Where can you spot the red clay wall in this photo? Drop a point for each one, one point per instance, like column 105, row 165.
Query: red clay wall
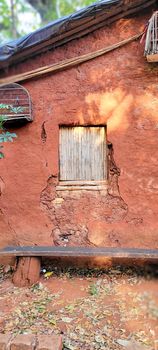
column 119, row 89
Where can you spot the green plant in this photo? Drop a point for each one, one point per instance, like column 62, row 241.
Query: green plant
column 5, row 136
column 93, row 289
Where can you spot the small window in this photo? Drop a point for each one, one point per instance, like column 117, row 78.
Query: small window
column 82, row 154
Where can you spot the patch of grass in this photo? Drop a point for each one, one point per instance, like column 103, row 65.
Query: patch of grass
column 93, row 289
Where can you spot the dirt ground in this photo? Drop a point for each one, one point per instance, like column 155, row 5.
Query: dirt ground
column 92, row 309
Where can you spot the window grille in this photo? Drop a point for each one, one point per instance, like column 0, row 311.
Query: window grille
column 151, row 41
column 15, row 103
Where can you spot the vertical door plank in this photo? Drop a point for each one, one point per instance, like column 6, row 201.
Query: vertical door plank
column 82, row 153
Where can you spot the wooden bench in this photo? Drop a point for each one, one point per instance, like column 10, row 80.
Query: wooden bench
column 29, row 258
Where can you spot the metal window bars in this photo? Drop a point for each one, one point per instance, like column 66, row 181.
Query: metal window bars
column 151, row 42
column 15, row 103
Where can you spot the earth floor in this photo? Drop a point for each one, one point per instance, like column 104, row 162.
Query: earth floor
column 92, row 309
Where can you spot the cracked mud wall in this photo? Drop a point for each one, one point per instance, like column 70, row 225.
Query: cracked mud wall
column 73, row 212
column 114, row 90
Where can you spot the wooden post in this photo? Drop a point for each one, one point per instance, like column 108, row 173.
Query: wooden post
column 27, row 272
column 152, row 58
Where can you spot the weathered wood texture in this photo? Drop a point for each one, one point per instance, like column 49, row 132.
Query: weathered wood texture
column 131, row 253
column 152, row 58
column 29, row 264
column 82, row 153
column 28, row 271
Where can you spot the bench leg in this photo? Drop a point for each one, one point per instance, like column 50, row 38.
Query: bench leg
column 27, row 272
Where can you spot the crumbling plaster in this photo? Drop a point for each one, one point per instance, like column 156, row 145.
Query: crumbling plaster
column 118, row 89
column 72, row 211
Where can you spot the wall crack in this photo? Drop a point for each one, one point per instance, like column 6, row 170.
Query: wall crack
column 43, row 133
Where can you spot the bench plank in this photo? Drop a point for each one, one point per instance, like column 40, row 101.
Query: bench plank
column 132, row 253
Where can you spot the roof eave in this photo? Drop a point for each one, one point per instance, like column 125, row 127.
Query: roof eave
column 71, row 28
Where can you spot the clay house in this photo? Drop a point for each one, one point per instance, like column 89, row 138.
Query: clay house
column 84, row 106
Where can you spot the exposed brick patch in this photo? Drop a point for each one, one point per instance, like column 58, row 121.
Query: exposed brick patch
column 30, row 342
column 23, row 342
column 51, row 342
